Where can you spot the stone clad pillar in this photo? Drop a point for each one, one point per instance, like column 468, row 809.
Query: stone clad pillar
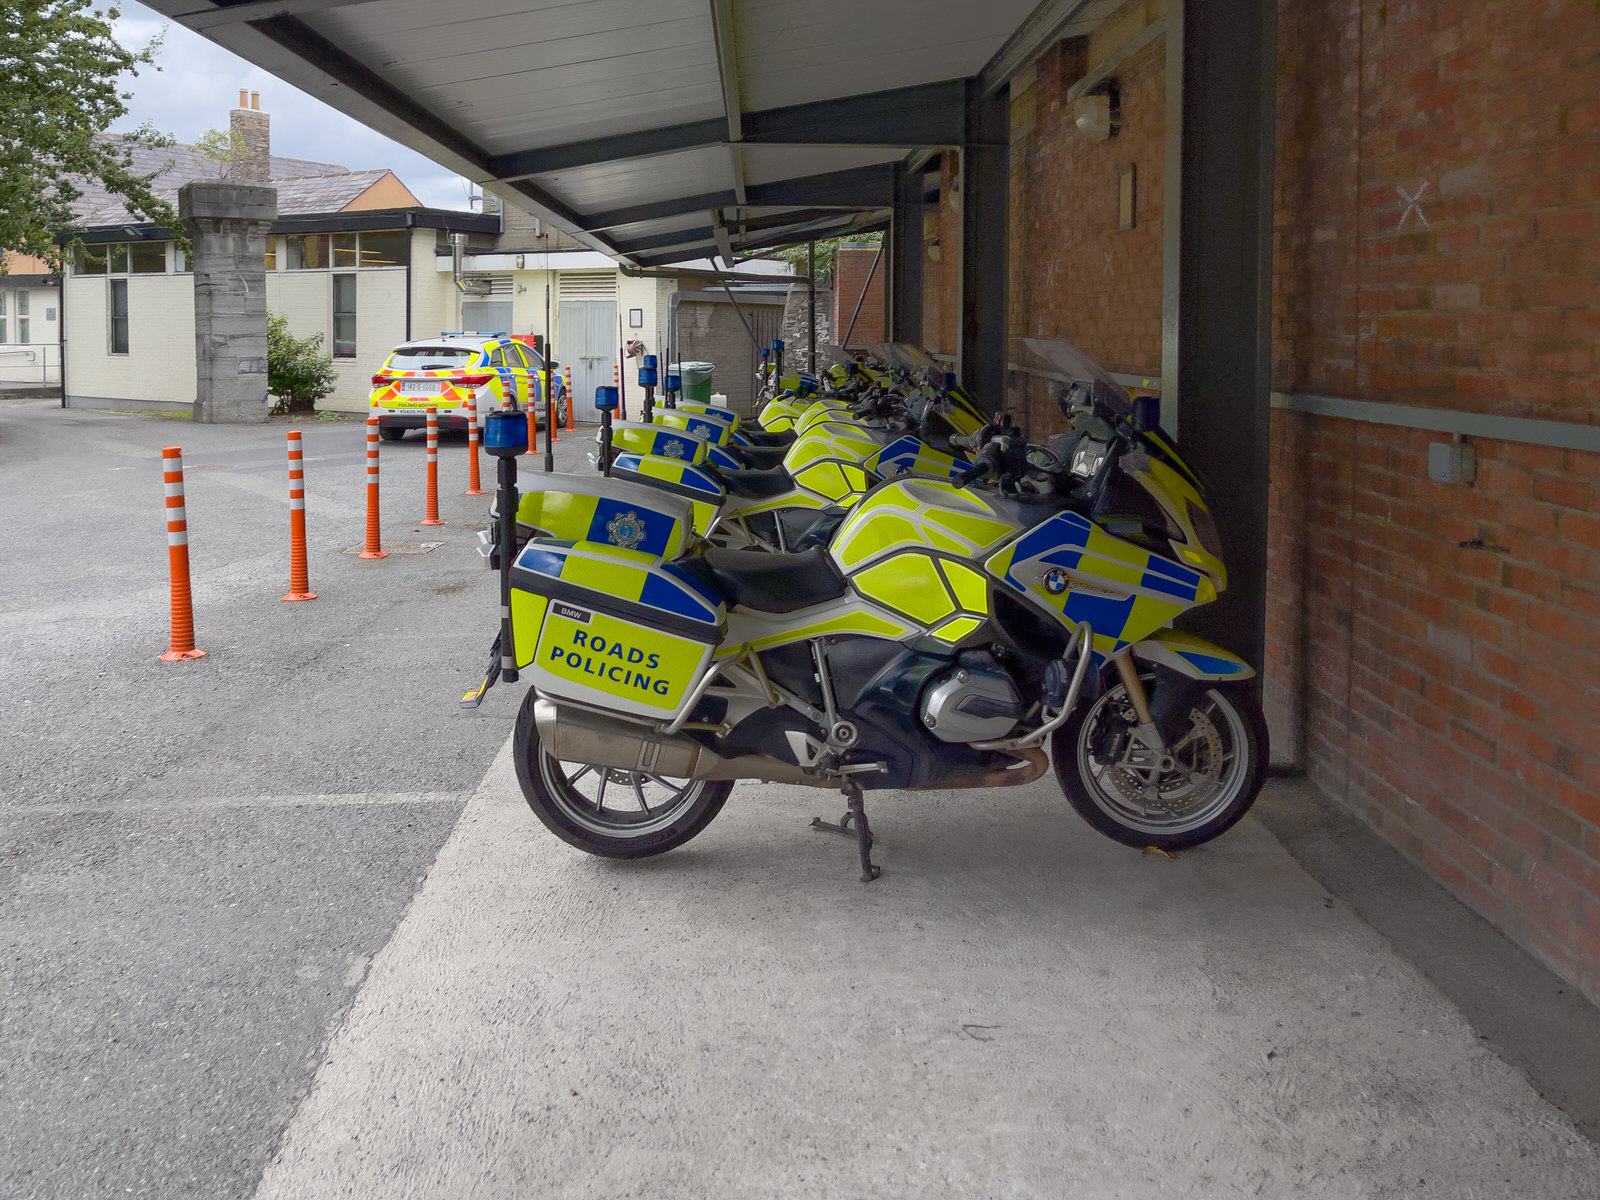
column 228, row 225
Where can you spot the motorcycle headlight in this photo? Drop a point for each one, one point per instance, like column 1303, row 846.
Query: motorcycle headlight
column 1089, row 456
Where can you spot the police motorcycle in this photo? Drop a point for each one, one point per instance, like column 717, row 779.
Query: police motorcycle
column 950, row 631
column 768, row 497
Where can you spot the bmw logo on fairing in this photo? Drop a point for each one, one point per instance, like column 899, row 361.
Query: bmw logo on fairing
column 1055, row 581
column 625, row 530
column 673, row 449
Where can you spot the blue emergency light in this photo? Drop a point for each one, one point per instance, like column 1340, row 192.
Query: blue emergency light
column 777, row 346
column 674, row 383
column 605, row 398
column 505, row 433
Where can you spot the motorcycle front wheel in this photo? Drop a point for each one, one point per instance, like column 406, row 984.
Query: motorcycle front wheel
column 612, row 813
column 1214, row 771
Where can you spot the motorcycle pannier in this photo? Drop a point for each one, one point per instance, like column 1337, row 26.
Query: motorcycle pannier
column 614, row 628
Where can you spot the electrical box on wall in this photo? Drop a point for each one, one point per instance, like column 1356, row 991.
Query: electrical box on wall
column 1452, row 462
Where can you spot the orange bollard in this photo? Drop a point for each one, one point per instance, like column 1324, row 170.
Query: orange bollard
column 432, row 516
column 374, row 539
column 550, row 421
column 616, row 382
column 474, row 486
column 178, row 559
column 566, row 386
column 299, row 583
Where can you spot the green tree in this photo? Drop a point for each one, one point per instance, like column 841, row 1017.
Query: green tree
column 827, row 254
column 299, row 371
column 221, row 146
column 59, row 69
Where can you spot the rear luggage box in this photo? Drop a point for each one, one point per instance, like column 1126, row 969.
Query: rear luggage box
column 610, row 627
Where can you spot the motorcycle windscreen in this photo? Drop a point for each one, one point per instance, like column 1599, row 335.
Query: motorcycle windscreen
column 694, row 424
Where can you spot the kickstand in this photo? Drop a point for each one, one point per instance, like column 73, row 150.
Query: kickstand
column 856, row 815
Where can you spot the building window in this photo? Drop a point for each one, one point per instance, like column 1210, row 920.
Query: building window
column 22, row 317
column 119, row 316
column 307, row 251
column 272, row 254
column 344, row 250
column 148, row 258
column 387, row 248
column 180, row 260
column 91, row 260
column 119, row 259
column 344, row 316
column 3, row 296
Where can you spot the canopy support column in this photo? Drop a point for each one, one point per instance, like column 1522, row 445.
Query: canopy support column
column 985, row 210
column 905, row 258
column 1225, row 293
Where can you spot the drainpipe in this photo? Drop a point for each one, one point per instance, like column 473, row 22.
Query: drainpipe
column 411, row 220
column 61, row 333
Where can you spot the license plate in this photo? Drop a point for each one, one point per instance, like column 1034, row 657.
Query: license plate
column 421, row 387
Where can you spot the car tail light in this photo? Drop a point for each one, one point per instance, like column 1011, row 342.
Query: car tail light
column 382, row 380
column 473, row 381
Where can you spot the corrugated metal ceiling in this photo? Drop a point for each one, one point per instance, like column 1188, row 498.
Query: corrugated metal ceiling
column 622, row 107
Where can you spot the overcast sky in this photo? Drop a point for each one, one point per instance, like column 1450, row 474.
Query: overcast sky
column 199, row 82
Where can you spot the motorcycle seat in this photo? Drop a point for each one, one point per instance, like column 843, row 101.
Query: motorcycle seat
column 762, row 437
column 751, row 484
column 774, row 583
column 761, row 458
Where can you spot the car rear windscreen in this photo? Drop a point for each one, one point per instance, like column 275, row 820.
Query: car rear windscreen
column 431, row 358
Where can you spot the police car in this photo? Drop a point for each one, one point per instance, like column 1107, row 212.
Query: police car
column 444, row 372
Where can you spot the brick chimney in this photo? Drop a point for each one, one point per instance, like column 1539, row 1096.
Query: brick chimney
column 252, row 156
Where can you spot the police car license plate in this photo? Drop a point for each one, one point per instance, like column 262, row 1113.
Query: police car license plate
column 420, row 387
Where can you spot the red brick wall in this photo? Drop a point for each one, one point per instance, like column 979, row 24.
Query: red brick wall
column 850, row 278
column 1075, row 274
column 1448, row 694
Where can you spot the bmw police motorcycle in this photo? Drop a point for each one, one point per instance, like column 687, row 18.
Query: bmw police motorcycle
column 952, row 634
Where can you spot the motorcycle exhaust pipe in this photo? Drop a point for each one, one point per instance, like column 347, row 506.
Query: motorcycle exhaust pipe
column 577, row 735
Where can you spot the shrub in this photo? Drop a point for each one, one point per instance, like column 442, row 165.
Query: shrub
column 299, row 371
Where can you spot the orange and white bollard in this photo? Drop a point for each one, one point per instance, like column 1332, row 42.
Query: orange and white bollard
column 551, row 424
column 178, row 559
column 616, row 382
column 374, row 538
column 566, row 388
column 299, row 582
column 432, row 514
column 474, row 485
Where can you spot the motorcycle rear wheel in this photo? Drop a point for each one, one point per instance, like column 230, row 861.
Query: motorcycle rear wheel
column 1221, row 765
column 607, row 812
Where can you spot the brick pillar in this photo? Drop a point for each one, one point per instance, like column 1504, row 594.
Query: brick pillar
column 228, row 224
column 251, row 161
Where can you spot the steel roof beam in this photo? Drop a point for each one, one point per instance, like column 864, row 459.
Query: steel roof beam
column 655, row 210
column 858, row 187
column 1045, row 24
column 681, row 237
column 930, row 114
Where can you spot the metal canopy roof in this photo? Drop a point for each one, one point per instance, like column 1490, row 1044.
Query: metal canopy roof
column 658, row 130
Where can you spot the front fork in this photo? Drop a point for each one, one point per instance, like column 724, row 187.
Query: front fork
column 1145, row 732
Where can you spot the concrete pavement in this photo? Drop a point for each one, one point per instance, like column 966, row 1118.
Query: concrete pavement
column 1017, row 1008
column 197, row 860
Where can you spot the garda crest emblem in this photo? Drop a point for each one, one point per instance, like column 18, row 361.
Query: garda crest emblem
column 700, row 430
column 673, row 449
column 625, row 530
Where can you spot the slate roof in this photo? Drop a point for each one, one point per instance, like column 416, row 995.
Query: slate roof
column 303, row 186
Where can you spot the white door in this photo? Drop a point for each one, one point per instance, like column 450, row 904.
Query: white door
column 587, row 343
